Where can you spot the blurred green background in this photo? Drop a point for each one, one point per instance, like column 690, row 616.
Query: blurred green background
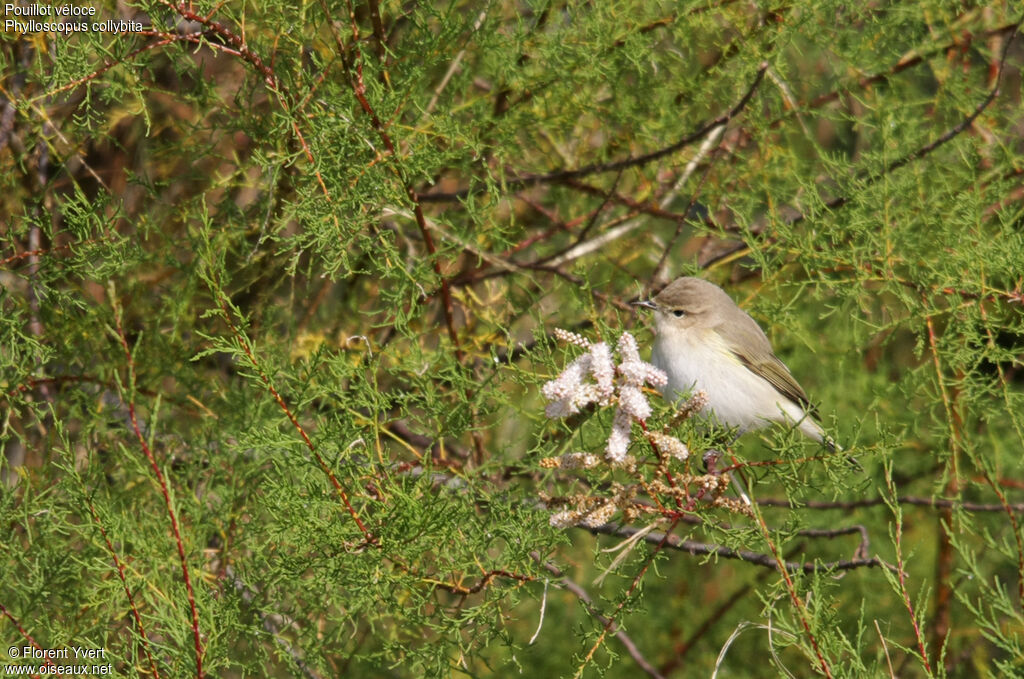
column 277, row 288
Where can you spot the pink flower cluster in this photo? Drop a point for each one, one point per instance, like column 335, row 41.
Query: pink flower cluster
column 608, row 383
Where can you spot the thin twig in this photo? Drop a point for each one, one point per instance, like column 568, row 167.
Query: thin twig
column 26, row 636
column 124, row 584
column 619, row 634
column 942, row 139
column 164, row 487
column 938, row 503
column 798, row 604
column 995, row 486
column 452, row 68
column 272, row 627
column 917, row 154
column 448, row 306
column 247, row 349
column 756, row 558
column 524, row 181
column 901, row 575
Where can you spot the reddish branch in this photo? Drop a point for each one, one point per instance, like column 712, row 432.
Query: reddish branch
column 220, row 30
column 905, row 594
column 165, row 489
column 226, row 41
column 1006, row 507
column 359, row 90
column 24, row 634
column 29, row 254
column 165, row 39
column 944, row 557
column 900, row 66
column 791, row 589
column 236, row 45
column 127, row 589
column 370, row 539
column 995, row 486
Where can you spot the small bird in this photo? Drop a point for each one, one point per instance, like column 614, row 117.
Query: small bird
column 704, row 342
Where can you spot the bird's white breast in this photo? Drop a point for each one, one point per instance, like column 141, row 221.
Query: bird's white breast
column 736, row 397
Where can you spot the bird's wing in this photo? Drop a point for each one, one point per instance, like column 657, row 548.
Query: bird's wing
column 753, row 350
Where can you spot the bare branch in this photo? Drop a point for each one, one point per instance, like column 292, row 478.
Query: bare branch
column 619, row 634
column 521, row 182
column 756, row 558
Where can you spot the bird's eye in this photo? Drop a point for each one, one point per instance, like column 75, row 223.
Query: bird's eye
column 678, row 313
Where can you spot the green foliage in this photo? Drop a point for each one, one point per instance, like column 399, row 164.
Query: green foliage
column 278, row 283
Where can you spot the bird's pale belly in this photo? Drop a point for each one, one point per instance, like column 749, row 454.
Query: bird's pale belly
column 736, row 397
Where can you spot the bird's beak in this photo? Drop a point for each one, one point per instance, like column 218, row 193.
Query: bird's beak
column 645, row 303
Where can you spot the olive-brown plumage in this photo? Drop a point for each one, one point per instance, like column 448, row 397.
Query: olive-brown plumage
column 704, row 342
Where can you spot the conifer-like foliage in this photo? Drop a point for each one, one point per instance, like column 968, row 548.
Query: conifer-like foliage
column 279, row 285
